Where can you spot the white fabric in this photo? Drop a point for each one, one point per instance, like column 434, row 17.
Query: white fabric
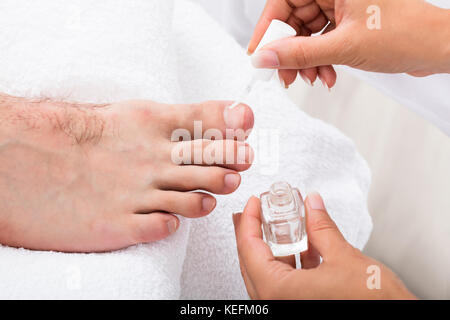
column 147, row 49
column 427, row 96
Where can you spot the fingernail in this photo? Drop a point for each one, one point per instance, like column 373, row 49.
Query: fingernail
column 232, row 181
column 234, row 117
column 208, row 204
column 283, row 84
column 325, row 84
column 306, row 79
column 265, row 59
column 315, row 201
column 172, row 225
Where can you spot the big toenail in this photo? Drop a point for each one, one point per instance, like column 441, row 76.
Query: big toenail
column 208, row 204
column 232, row 181
column 234, row 118
column 243, row 154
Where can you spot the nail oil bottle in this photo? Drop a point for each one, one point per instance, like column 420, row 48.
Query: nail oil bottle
column 283, row 216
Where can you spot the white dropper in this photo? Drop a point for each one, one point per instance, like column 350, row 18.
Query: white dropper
column 277, row 30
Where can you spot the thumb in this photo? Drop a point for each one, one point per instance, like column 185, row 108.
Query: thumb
column 301, row 52
column 323, row 234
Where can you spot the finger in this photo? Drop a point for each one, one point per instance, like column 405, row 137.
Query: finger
column 287, row 77
column 297, row 24
column 327, row 76
column 152, row 227
column 309, row 75
column 322, row 232
column 307, row 13
column 212, row 117
column 187, row 204
column 230, row 154
column 189, row 178
column 256, row 255
column 274, row 9
column 318, row 23
column 248, row 284
column 300, row 52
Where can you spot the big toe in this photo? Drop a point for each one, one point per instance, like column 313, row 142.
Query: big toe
column 213, row 120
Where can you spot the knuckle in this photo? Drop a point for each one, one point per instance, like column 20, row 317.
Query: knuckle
column 301, row 58
column 195, row 111
column 215, row 179
column 195, row 204
column 322, row 224
column 142, row 112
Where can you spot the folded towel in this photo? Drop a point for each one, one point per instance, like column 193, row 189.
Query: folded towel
column 169, row 51
column 91, row 51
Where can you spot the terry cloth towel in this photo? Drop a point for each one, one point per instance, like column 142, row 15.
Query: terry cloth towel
column 169, row 51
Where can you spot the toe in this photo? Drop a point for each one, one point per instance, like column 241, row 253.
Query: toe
column 212, row 117
column 189, row 178
column 187, row 204
column 152, row 227
column 236, row 155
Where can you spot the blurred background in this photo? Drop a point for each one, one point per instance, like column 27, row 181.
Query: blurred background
column 409, row 199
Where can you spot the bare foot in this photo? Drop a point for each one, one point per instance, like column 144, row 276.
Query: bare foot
column 82, row 178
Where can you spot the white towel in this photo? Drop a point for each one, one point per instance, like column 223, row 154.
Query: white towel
column 170, row 52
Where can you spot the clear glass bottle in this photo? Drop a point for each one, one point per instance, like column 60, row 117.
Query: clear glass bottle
column 283, row 216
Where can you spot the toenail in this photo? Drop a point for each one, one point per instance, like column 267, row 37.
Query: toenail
column 232, row 181
column 208, row 204
column 234, row 118
column 172, row 225
column 245, row 155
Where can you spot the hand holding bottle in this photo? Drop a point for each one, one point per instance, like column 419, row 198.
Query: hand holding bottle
column 403, row 36
column 343, row 274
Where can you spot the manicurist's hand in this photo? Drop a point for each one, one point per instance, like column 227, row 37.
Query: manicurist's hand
column 306, row 17
column 402, row 36
column 343, row 274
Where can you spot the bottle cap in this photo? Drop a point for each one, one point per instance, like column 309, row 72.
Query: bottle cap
column 277, row 30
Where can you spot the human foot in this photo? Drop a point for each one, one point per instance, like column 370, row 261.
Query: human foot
column 82, row 178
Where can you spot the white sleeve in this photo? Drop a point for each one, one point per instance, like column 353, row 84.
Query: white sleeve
column 429, row 96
